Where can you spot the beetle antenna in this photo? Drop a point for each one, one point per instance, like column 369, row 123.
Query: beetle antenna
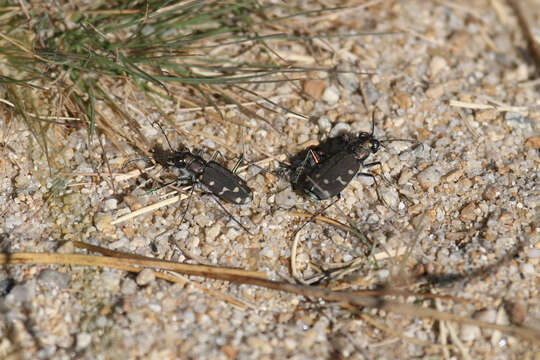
column 164, row 134
column 406, row 140
column 415, row 142
column 372, row 122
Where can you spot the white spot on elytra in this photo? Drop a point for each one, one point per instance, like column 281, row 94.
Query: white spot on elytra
column 340, row 180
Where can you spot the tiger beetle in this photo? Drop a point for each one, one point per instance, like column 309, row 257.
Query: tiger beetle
column 219, row 181
column 328, row 168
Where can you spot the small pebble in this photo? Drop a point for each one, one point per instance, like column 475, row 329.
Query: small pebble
column 314, row 88
column 485, row 115
column 527, row 269
column 103, row 222
column 533, row 253
column 71, row 199
column 286, row 198
column 324, row 124
column 470, row 332
column 517, row 120
column 21, row 293
column 133, row 202
column 490, row 193
column 129, row 287
column 403, row 100
column 229, row 351
column 145, row 277
column 268, row 252
column 66, row 248
column 202, row 220
column 331, row 95
column 110, row 281
column 52, row 278
column 453, row 175
column 517, row 312
column 435, row 92
column 506, row 218
column 436, row 64
column 533, row 142
column 429, row 177
column 370, row 91
column 22, row 181
column 349, row 81
column 383, row 274
column 390, row 196
column 213, row 232
column 110, row 204
column 416, row 209
column 83, row 340
column 487, row 315
column 65, row 341
column 468, row 213
column 338, row 129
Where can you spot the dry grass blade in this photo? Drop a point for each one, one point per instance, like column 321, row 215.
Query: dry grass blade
column 479, row 106
column 399, row 334
column 149, row 208
column 171, row 276
column 520, row 8
column 258, row 279
column 214, row 272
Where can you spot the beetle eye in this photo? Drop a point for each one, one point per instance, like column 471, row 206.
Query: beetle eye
column 363, row 136
column 374, row 146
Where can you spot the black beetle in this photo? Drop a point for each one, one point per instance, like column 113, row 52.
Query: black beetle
column 328, row 168
column 220, row 181
column 327, row 175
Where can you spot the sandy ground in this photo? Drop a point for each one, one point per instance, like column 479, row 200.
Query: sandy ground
column 457, row 77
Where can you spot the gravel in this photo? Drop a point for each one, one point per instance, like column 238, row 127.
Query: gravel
column 464, row 207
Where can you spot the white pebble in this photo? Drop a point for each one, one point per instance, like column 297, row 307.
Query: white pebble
column 268, row 252
column 436, row 65
column 429, row 177
column 286, row 198
column 83, row 340
column 110, row 204
column 331, row 95
column 339, row 128
column 213, row 232
column 527, row 269
column 324, row 124
column 469, row 332
column 349, row 81
column 145, row 277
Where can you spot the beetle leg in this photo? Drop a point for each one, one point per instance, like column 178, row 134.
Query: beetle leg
column 214, row 196
column 189, row 203
column 215, row 154
column 237, row 165
column 301, row 168
column 371, row 164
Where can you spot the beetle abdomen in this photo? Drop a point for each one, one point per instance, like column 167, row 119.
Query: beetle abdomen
column 226, row 185
column 331, row 176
